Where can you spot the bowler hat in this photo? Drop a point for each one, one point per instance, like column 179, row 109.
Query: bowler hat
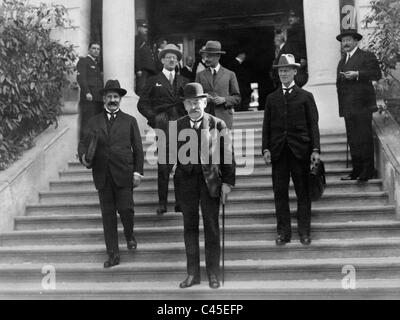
column 142, row 23
column 349, row 32
column 113, row 85
column 213, row 47
column 193, row 90
column 287, row 60
column 170, row 48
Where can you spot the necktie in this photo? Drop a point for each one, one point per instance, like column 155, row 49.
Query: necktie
column 286, row 91
column 171, row 79
column 348, row 57
column 196, row 123
column 214, row 75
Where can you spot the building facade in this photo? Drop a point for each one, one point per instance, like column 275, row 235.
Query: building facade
column 323, row 20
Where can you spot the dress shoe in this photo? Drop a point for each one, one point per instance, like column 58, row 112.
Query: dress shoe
column 305, row 240
column 364, row 177
column 213, row 281
column 189, row 281
column 350, row 177
column 281, row 240
column 112, row 261
column 178, row 208
column 161, row 210
column 132, row 244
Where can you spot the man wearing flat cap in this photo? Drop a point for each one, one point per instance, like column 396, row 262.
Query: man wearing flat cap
column 357, row 102
column 161, row 103
column 145, row 62
column 219, row 83
column 291, row 142
column 117, row 167
column 204, row 179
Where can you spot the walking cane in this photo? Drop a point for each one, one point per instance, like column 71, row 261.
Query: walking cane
column 223, row 240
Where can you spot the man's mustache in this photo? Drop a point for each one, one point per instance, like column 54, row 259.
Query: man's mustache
column 113, row 104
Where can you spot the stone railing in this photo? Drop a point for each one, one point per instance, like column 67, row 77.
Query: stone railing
column 387, row 153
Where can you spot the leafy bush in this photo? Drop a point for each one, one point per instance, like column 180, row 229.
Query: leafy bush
column 33, row 70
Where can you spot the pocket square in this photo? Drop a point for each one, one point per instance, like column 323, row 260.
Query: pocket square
column 159, row 85
column 93, row 67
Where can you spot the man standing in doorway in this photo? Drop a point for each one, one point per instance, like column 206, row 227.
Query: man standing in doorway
column 291, row 141
column 220, row 84
column 117, row 167
column 90, row 80
column 357, row 102
column 161, row 103
column 145, row 63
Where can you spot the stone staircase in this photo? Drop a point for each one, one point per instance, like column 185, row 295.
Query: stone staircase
column 353, row 225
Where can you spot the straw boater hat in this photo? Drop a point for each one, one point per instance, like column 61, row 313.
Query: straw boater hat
column 349, row 32
column 193, row 91
column 287, row 60
column 113, row 85
column 213, row 47
column 170, row 48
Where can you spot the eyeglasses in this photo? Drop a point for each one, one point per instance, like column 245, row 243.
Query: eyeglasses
column 170, row 58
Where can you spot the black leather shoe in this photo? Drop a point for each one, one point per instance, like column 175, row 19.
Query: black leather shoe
column 189, row 281
column 132, row 244
column 112, row 261
column 350, row 177
column 161, row 210
column 281, row 241
column 213, row 281
column 364, row 177
column 305, row 240
column 178, row 208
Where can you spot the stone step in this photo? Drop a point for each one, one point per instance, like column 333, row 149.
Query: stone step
column 242, row 186
column 232, row 290
column 149, row 193
column 260, row 176
column 66, row 220
column 242, row 202
column 254, row 201
column 172, row 252
column 344, row 230
column 251, row 270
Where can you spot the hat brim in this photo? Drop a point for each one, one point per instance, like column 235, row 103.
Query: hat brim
column 195, row 97
column 213, row 52
column 121, row 92
column 355, row 35
column 294, row 65
column 162, row 54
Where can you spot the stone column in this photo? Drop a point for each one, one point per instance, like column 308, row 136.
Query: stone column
column 322, row 25
column 119, row 25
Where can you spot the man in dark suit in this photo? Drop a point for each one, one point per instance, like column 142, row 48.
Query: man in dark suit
column 241, row 69
column 220, row 84
column 290, row 139
column 90, row 80
column 208, row 175
column 145, row 62
column 160, row 103
column 357, row 102
column 117, row 167
column 187, row 71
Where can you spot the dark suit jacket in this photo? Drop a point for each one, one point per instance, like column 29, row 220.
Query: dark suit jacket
column 161, row 102
column 90, row 78
column 121, row 151
column 294, row 122
column 358, row 96
column 144, row 57
column 226, row 85
column 215, row 172
column 186, row 73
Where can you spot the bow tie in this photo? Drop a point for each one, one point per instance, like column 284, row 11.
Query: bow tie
column 113, row 115
column 288, row 89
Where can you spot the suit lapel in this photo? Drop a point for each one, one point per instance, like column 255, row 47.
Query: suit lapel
column 117, row 123
column 220, row 74
column 103, row 123
column 165, row 82
column 209, row 77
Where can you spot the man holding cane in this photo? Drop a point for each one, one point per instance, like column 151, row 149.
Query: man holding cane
column 204, row 179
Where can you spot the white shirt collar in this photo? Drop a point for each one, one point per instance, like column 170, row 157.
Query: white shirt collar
column 109, row 112
column 290, row 86
column 281, row 45
column 93, row 58
column 352, row 52
column 167, row 73
column 216, row 68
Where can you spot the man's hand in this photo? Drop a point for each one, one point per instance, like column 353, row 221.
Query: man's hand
column 136, row 181
column 315, row 158
column 267, row 157
column 351, row 75
column 226, row 189
column 219, row 100
column 139, row 73
column 89, row 97
column 84, row 162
